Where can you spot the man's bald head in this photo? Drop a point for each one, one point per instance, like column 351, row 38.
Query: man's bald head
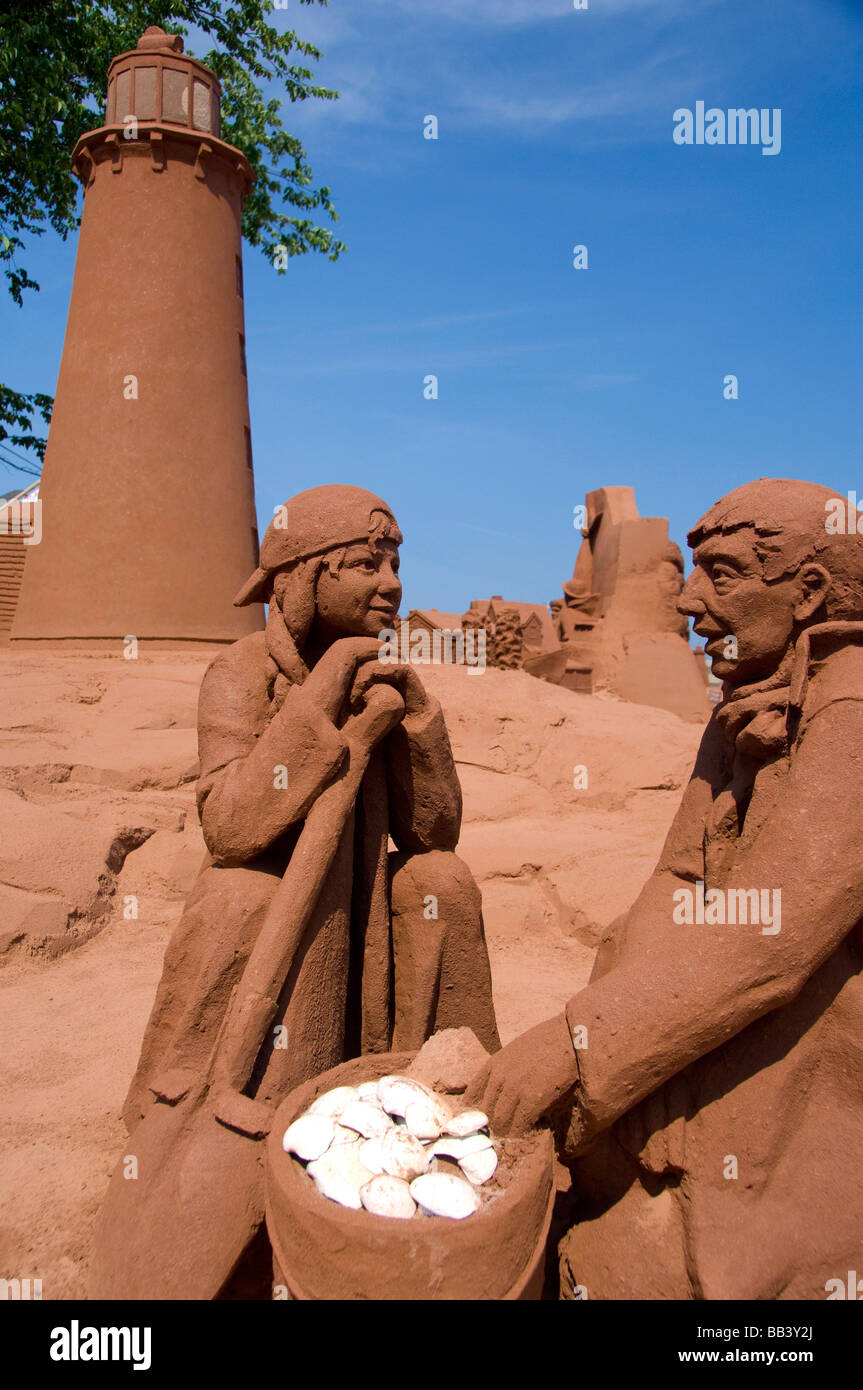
column 789, row 522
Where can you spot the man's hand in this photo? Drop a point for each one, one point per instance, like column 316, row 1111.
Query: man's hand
column 526, row 1078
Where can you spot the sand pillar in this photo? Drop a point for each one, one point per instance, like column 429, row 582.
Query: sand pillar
column 148, row 511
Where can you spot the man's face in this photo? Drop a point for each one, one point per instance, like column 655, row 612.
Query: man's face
column 728, row 598
column 363, row 597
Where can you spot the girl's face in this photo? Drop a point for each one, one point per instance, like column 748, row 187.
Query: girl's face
column 363, row 596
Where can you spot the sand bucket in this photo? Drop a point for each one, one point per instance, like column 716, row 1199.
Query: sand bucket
column 326, row 1251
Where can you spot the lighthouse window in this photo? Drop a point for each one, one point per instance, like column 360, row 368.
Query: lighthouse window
column 110, row 107
column 201, row 106
column 145, row 94
column 175, row 101
column 124, row 95
column 248, row 435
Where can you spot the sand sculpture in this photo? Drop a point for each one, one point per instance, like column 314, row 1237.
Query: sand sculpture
column 704, row 1086
column 149, row 453
column 304, row 942
column 517, row 634
column 708, row 1077
column 617, row 627
column 618, row 622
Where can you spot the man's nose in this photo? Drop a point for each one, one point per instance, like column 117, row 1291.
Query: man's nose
column 690, row 602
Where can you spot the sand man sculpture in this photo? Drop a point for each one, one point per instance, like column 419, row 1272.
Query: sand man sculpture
column 305, row 941
column 713, row 1102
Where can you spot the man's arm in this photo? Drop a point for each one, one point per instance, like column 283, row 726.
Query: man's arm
column 680, row 991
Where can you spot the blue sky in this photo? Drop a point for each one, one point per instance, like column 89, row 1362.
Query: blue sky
column 555, row 129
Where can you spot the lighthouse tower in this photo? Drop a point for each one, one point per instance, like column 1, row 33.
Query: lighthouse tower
column 148, row 520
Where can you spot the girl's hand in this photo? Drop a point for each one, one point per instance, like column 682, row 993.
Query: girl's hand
column 331, row 679
column 402, row 677
column 384, row 708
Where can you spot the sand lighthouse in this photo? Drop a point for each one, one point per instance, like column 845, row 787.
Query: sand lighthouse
column 148, row 520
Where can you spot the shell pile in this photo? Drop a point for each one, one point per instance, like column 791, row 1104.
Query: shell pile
column 396, row 1148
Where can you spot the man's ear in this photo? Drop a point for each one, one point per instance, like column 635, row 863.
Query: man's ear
column 814, row 582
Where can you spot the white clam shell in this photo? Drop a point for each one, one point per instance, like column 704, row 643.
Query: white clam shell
column 478, row 1167
column 388, row 1196
column 371, row 1154
column 345, row 1136
column 368, row 1090
column 333, row 1102
column 339, row 1175
column 460, row 1148
column 440, row 1194
column 367, row 1119
column 466, row 1123
column 403, row 1155
column 422, row 1121
column 396, row 1093
column 309, row 1136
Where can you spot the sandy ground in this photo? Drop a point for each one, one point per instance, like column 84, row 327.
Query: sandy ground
column 99, row 843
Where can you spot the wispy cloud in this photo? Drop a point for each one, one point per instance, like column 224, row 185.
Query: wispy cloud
column 601, row 381
column 398, row 327
column 443, row 321
column 483, row 530
column 507, row 13
column 641, row 89
column 391, row 71
column 427, row 361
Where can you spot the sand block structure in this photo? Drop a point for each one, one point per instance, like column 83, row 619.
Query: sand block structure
column 618, row 621
column 149, row 522
column 20, row 526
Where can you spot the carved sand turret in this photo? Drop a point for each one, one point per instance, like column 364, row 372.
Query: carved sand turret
column 148, row 500
column 618, row 621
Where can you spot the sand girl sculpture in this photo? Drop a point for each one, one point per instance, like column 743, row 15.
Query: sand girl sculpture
column 710, row 1076
column 305, row 940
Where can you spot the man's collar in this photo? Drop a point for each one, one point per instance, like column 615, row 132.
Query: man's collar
column 759, row 720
